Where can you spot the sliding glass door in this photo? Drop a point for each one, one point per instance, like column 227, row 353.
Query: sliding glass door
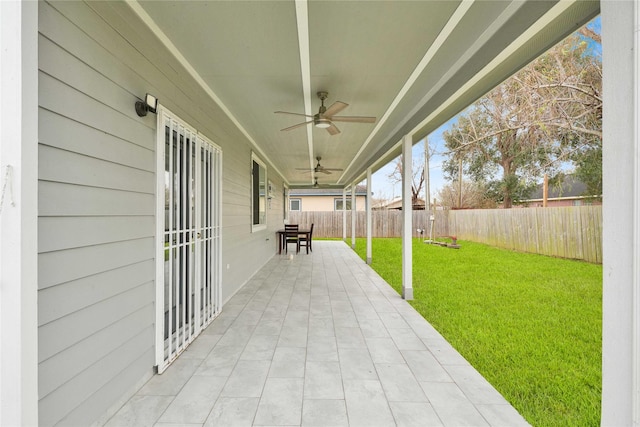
column 188, row 256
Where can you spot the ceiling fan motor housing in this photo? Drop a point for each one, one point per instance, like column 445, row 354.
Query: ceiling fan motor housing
column 320, row 121
column 325, row 117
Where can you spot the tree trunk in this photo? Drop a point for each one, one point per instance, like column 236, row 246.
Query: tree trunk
column 507, row 182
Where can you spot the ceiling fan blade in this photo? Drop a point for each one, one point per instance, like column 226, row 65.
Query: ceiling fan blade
column 325, row 171
column 298, row 125
column 293, row 114
column 335, row 108
column 333, row 169
column 353, row 119
column 333, row 130
column 304, row 169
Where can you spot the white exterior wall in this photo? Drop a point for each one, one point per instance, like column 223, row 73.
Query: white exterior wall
column 621, row 213
column 97, row 204
column 18, row 213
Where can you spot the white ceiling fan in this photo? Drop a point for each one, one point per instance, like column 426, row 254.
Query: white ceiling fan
column 320, row 169
column 326, row 116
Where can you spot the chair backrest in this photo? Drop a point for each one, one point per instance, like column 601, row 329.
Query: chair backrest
column 311, row 231
column 291, row 230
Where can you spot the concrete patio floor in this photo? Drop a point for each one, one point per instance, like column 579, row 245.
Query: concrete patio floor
column 318, row 340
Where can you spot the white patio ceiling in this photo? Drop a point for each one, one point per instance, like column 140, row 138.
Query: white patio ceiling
column 412, row 64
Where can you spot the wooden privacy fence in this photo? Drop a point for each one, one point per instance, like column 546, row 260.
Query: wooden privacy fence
column 567, row 232
column 385, row 223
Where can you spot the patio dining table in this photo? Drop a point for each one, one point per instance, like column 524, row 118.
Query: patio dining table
column 282, row 233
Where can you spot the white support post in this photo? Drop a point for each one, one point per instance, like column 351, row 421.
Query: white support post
column 344, row 215
column 621, row 214
column 353, row 215
column 635, row 284
column 407, row 223
column 19, row 213
column 369, row 225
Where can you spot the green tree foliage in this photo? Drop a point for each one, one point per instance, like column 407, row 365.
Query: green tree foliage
column 548, row 113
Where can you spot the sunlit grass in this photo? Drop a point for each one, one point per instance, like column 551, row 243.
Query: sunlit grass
column 530, row 324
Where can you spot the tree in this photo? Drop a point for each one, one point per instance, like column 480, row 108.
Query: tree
column 417, row 177
column 551, row 111
column 474, row 196
column 589, row 170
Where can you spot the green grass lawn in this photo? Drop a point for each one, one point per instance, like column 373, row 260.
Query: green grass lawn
column 530, row 324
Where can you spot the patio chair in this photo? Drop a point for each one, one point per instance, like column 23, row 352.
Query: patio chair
column 305, row 240
column 291, row 236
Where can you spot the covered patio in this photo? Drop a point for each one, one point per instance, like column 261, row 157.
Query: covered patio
column 84, row 169
column 318, row 339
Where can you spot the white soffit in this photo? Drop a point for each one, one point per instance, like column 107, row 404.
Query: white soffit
column 412, row 64
column 462, row 9
column 144, row 16
column 563, row 9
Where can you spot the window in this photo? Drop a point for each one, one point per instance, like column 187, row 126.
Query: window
column 285, row 202
column 337, row 204
column 258, row 194
column 295, row 204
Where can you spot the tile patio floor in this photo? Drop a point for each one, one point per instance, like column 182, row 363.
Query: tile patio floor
column 319, row 340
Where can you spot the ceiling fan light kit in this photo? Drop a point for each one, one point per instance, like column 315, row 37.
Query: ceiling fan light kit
column 326, row 116
column 321, row 123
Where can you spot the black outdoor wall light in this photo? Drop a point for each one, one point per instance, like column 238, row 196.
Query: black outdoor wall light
column 150, row 103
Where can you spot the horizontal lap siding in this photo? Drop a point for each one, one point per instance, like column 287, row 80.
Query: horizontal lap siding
column 96, row 226
column 245, row 252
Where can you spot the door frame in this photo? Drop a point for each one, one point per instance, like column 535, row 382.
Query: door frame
column 199, row 322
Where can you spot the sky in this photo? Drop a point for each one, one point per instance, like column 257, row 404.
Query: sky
column 383, row 187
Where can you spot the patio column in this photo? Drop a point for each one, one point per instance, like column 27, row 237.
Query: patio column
column 19, row 213
column 368, row 206
column 621, row 214
column 407, row 224
column 344, row 215
column 353, row 216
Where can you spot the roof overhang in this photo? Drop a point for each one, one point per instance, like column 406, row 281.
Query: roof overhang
column 413, row 65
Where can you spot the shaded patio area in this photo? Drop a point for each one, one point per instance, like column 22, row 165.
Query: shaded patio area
column 318, row 340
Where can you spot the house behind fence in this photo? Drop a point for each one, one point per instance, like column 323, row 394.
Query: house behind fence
column 568, row 232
